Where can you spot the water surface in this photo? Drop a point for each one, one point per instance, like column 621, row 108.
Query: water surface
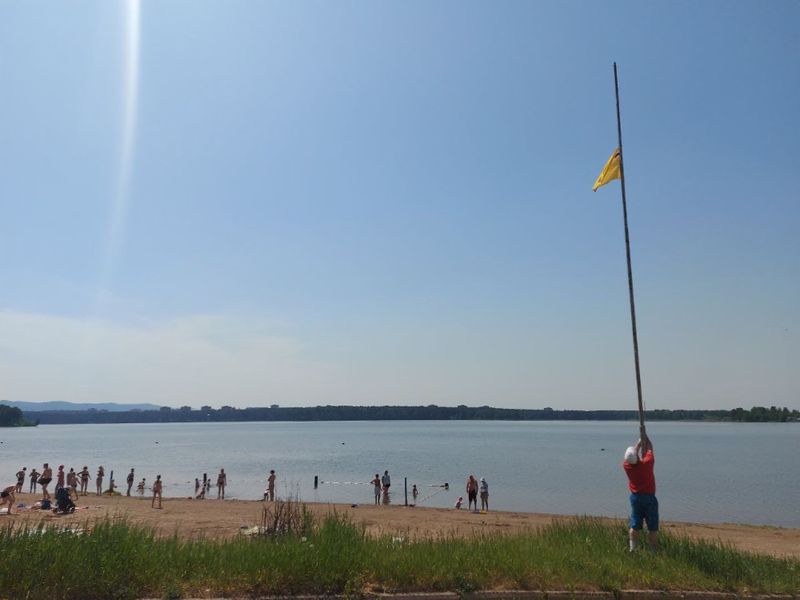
column 705, row 472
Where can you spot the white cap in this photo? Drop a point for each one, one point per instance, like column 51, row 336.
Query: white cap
column 630, row 456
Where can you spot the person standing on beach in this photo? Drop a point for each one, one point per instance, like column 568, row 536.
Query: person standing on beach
column 20, row 479
column 642, row 485
column 34, row 478
column 157, row 486
column 222, row 480
column 7, row 497
column 45, row 479
column 271, row 485
column 414, row 492
column 60, row 477
column 386, row 481
column 101, row 472
column 484, row 489
column 72, row 482
column 196, row 487
column 84, row 476
column 377, row 483
column 472, row 492
column 130, row 482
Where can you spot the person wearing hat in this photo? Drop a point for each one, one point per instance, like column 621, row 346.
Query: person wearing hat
column 642, row 485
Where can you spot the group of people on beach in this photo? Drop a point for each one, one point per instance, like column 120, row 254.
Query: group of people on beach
column 473, row 489
column 77, row 485
column 382, row 483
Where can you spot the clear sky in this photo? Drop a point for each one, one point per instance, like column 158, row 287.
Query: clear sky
column 303, row 203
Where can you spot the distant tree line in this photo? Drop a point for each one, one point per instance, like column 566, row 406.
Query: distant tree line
column 761, row 414
column 400, row 413
column 11, row 416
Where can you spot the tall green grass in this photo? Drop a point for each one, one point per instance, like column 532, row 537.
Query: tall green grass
column 118, row 560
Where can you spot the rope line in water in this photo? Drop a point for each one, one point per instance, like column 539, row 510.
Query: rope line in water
column 419, row 501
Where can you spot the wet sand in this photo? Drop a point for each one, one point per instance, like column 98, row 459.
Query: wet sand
column 224, row 519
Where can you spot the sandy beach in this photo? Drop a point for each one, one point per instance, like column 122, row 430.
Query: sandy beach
column 225, row 519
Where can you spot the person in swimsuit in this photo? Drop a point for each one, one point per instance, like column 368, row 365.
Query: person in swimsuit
column 271, row 486
column 377, row 483
column 472, row 492
column 45, row 479
column 84, row 477
column 157, row 486
column 34, row 479
column 130, row 483
column 21, row 479
column 72, row 482
column 101, row 472
column 7, row 497
column 222, row 480
column 60, row 477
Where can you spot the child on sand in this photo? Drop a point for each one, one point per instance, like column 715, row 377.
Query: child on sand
column 7, row 497
column 459, row 502
column 140, row 487
column 156, row 492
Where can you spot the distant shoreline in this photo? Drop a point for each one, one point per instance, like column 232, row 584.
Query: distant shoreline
column 277, row 413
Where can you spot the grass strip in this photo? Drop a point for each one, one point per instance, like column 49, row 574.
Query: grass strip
column 118, row 560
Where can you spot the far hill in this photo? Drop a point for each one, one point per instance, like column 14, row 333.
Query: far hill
column 58, row 406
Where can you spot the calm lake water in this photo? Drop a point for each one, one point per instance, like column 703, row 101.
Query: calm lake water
column 705, row 472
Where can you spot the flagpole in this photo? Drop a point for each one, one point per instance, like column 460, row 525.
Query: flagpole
column 642, row 432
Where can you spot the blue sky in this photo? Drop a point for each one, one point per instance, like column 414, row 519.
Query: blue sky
column 390, row 203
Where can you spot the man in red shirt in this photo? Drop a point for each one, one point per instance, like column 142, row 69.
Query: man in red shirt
column 642, row 484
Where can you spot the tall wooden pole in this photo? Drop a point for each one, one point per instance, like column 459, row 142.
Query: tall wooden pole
column 642, row 431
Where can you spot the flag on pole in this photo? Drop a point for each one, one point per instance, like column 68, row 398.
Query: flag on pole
column 609, row 172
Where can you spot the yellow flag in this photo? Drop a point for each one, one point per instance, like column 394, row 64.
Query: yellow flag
column 609, row 172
